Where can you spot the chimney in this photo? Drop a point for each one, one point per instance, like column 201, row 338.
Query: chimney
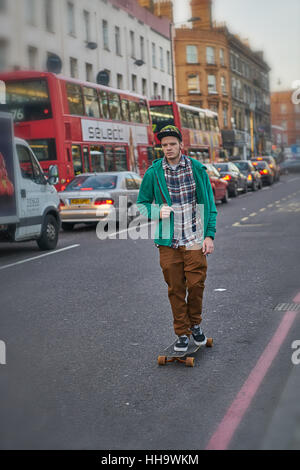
column 202, row 9
column 149, row 4
column 164, row 8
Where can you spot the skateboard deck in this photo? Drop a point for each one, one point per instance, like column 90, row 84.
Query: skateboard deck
column 169, row 355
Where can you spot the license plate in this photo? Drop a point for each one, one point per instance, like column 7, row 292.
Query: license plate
column 78, row 202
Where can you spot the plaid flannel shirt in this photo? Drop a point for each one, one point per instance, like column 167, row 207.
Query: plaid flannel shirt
column 188, row 226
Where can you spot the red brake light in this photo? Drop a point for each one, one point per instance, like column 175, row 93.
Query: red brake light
column 101, row 202
column 61, row 204
column 46, row 111
column 226, row 177
column 249, row 177
column 264, row 172
column 86, row 189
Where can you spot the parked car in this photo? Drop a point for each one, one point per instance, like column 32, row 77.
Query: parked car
column 272, row 164
column 231, row 174
column 219, row 186
column 253, row 176
column 92, row 197
column 267, row 174
column 290, row 165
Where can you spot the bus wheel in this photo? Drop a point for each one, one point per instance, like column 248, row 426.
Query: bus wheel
column 67, row 227
column 49, row 236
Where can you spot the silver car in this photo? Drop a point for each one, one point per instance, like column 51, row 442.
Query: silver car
column 91, row 197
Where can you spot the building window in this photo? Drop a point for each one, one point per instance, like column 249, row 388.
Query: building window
column 118, row 40
column 89, row 72
column 222, row 57
column 32, row 57
column 87, row 26
column 71, row 18
column 170, row 94
column 49, row 15
column 212, row 84
column 3, row 54
column 192, row 54
column 153, row 55
column 73, row 67
column 169, row 62
column 155, row 89
column 30, row 12
column 144, row 87
column 283, row 108
column 2, row 6
column 132, row 44
column 119, row 81
column 223, row 86
column 142, row 48
column 225, row 115
column 161, row 61
column 133, row 82
column 105, row 34
column 210, row 55
column 193, row 84
column 163, row 92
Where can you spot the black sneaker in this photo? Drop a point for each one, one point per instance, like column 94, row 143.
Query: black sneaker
column 198, row 335
column 182, row 344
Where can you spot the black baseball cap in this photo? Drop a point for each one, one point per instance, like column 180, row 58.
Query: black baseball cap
column 169, row 131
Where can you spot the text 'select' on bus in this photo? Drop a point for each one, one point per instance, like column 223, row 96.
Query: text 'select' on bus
column 80, row 126
column 200, row 130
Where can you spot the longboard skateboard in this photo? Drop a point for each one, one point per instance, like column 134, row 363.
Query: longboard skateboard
column 169, row 355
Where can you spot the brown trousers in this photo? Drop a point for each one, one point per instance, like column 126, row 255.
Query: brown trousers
column 185, row 273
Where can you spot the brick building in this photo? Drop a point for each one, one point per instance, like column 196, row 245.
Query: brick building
column 286, row 114
column 217, row 70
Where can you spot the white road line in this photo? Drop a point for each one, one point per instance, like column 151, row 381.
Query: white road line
column 294, row 179
column 131, row 228
column 38, row 257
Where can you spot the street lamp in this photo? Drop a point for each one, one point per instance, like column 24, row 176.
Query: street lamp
column 252, row 109
column 172, row 25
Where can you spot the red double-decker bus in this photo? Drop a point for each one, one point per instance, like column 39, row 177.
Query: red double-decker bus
column 79, row 126
column 200, row 130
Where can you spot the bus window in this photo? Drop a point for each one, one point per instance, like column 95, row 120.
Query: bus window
column 104, row 105
column 28, row 100
column 207, row 123
column 125, row 110
column 161, row 116
column 114, row 106
column 86, row 159
column 109, row 157
column 91, row 102
column 77, row 161
column 190, row 120
column 216, row 120
column 134, row 111
column 197, row 121
column 44, row 149
column 144, row 113
column 97, row 158
column 75, row 99
column 121, row 159
column 212, row 124
column 183, row 116
column 150, row 154
column 202, row 122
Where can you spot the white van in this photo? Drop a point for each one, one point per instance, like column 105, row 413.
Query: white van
column 29, row 203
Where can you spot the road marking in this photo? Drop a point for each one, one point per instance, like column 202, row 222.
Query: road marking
column 263, row 209
column 245, row 218
column 131, row 228
column 294, row 179
column 224, row 433
column 270, row 205
column 38, row 257
column 253, row 214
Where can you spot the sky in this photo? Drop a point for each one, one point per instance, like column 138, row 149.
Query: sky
column 270, row 25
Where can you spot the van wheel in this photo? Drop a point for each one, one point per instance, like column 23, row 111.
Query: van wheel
column 49, row 237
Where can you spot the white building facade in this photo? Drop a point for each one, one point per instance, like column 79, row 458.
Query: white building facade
column 118, row 37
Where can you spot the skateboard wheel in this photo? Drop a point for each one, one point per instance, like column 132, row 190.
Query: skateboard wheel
column 190, row 362
column 162, row 360
column 209, row 343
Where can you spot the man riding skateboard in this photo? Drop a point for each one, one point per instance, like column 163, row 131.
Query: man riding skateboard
column 179, row 185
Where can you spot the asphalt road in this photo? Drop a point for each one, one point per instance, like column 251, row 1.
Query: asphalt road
column 83, row 328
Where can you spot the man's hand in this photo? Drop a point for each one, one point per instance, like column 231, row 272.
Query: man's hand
column 208, row 246
column 166, row 212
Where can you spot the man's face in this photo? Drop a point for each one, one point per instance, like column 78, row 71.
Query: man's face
column 171, row 147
